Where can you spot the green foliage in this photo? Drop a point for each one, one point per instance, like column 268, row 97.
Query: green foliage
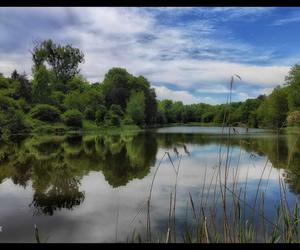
column 273, row 110
column 136, row 108
column 116, row 109
column 76, row 83
column 73, row 118
column 111, row 119
column 293, row 82
column 73, row 100
column 45, row 112
column 208, row 117
column 57, row 100
column 13, row 122
column 89, row 114
column 116, row 87
column 278, row 108
column 7, row 102
column 63, row 60
column 81, row 100
column 166, row 106
column 100, row 114
column 4, row 82
column 113, row 116
column 23, row 88
column 127, row 121
column 41, row 85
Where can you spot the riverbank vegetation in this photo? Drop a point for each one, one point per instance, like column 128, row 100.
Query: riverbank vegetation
column 59, row 98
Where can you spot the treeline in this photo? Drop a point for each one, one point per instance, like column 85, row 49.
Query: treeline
column 59, row 94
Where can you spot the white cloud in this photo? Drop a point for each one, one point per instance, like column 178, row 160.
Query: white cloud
column 132, row 38
column 179, row 95
column 266, row 91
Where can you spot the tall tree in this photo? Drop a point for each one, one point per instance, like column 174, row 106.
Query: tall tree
column 116, row 87
column 293, row 82
column 63, row 60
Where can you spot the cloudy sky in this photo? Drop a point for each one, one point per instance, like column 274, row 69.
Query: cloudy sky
column 188, row 54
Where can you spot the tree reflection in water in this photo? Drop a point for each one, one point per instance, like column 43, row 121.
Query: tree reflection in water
column 55, row 165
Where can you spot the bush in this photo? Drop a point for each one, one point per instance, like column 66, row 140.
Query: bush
column 13, row 121
column 294, row 118
column 127, row 121
column 7, row 102
column 89, row 114
column 73, row 118
column 113, row 116
column 100, row 114
column 45, row 112
column 112, row 119
column 208, row 117
column 116, row 109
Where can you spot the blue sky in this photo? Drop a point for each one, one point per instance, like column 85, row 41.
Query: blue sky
column 188, row 54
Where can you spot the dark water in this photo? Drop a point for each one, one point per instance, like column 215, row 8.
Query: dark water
column 88, row 188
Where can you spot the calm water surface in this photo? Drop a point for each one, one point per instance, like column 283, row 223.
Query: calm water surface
column 89, row 188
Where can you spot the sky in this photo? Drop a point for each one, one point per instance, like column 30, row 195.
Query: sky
column 187, row 53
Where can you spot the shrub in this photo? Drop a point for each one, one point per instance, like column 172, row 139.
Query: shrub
column 73, row 118
column 113, row 116
column 45, row 112
column 100, row 114
column 7, row 102
column 294, row 118
column 13, row 121
column 127, row 121
column 89, row 114
column 208, row 117
column 116, row 109
column 112, row 119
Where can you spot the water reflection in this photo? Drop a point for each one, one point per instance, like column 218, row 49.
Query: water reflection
column 55, row 166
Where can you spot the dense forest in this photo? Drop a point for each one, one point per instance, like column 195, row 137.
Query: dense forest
column 58, row 97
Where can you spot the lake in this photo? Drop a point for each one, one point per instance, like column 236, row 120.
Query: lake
column 94, row 187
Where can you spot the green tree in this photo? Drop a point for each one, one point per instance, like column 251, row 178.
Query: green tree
column 100, row 114
column 167, row 107
column 89, row 114
column 24, row 88
column 74, row 100
column 113, row 116
column 293, row 82
column 116, row 88
column 277, row 108
column 63, row 60
column 136, row 108
column 41, row 85
column 178, row 110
